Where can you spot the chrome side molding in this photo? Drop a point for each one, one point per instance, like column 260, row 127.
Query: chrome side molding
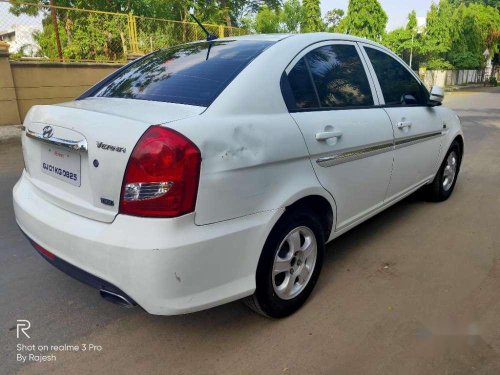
column 408, row 141
column 365, row 151
column 80, row 145
column 355, row 154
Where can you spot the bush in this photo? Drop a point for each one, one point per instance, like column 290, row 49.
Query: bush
column 493, row 81
column 438, row 64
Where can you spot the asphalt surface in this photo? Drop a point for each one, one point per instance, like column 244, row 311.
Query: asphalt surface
column 413, row 290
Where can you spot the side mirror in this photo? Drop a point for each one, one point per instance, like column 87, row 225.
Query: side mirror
column 436, row 97
column 408, row 99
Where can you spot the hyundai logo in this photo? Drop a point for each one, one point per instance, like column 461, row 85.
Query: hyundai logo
column 47, row 131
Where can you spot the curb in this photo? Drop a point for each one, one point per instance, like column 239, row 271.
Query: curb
column 9, row 132
column 464, row 87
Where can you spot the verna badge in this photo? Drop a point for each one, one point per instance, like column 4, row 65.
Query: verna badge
column 48, row 132
column 105, row 146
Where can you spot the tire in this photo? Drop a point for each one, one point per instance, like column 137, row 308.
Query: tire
column 444, row 182
column 290, row 246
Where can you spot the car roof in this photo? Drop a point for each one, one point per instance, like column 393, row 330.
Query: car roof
column 305, row 37
column 264, row 37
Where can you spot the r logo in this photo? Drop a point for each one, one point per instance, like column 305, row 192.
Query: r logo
column 23, row 326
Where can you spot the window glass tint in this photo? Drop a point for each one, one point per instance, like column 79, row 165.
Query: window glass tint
column 395, row 80
column 301, row 85
column 339, row 76
column 190, row 74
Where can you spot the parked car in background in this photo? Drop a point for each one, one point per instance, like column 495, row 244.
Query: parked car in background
column 216, row 171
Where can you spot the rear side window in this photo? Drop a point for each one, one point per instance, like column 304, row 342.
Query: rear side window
column 338, row 79
column 396, row 82
column 302, row 86
column 189, row 74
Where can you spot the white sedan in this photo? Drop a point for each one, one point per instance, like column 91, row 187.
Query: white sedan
column 218, row 170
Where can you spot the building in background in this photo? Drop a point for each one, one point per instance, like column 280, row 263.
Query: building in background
column 20, row 38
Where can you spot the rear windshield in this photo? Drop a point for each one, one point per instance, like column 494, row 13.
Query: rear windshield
column 189, row 74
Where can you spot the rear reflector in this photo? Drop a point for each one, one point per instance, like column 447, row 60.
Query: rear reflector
column 43, row 251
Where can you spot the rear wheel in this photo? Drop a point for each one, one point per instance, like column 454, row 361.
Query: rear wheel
column 289, row 265
column 443, row 184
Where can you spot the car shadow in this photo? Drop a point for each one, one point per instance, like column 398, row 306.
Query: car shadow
column 340, row 248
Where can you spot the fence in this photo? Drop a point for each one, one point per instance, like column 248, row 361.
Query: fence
column 26, row 83
column 69, row 34
column 446, row 78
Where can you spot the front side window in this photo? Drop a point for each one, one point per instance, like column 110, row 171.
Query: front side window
column 192, row 74
column 338, row 79
column 398, row 85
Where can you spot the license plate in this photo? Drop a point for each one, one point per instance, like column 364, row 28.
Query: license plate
column 61, row 164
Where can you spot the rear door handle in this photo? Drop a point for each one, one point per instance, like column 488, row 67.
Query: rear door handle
column 404, row 124
column 323, row 136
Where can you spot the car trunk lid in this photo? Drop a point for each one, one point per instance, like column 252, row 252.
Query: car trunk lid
column 76, row 153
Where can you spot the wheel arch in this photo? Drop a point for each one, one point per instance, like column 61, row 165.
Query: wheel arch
column 320, row 206
column 316, row 199
column 460, row 140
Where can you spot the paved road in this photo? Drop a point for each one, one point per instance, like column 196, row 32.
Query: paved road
column 413, row 290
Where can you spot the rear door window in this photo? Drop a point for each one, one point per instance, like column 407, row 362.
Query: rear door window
column 396, row 82
column 339, row 76
column 331, row 76
column 302, row 86
column 192, row 74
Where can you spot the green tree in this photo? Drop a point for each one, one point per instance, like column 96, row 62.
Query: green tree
column 405, row 41
column 147, row 8
column 477, row 28
column 493, row 3
column 332, row 19
column 231, row 11
column 365, row 18
column 227, row 12
column 312, row 17
column 437, row 36
column 286, row 19
column 412, row 22
column 96, row 36
column 291, row 16
column 267, row 20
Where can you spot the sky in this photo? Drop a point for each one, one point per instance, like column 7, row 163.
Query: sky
column 397, row 10
column 7, row 19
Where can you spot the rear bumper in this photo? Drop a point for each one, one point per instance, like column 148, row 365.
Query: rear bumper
column 168, row 266
column 78, row 273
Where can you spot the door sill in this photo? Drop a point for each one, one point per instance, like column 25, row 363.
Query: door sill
column 377, row 209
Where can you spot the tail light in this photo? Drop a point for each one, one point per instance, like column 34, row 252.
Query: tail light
column 161, row 179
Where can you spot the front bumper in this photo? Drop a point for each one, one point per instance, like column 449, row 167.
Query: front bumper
column 168, row 266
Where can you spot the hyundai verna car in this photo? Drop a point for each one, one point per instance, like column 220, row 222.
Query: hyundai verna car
column 216, row 171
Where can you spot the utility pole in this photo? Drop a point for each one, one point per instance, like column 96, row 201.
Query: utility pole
column 56, row 29
column 411, row 50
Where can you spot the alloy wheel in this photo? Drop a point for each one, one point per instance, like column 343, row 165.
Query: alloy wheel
column 450, row 170
column 294, row 262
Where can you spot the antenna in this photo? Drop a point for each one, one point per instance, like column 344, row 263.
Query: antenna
column 210, row 37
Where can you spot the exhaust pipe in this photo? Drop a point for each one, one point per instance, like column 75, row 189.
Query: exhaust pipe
column 116, row 298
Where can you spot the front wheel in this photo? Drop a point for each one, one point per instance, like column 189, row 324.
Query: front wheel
column 443, row 184
column 289, row 265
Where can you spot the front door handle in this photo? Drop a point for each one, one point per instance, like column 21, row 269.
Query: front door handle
column 323, row 136
column 404, row 124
